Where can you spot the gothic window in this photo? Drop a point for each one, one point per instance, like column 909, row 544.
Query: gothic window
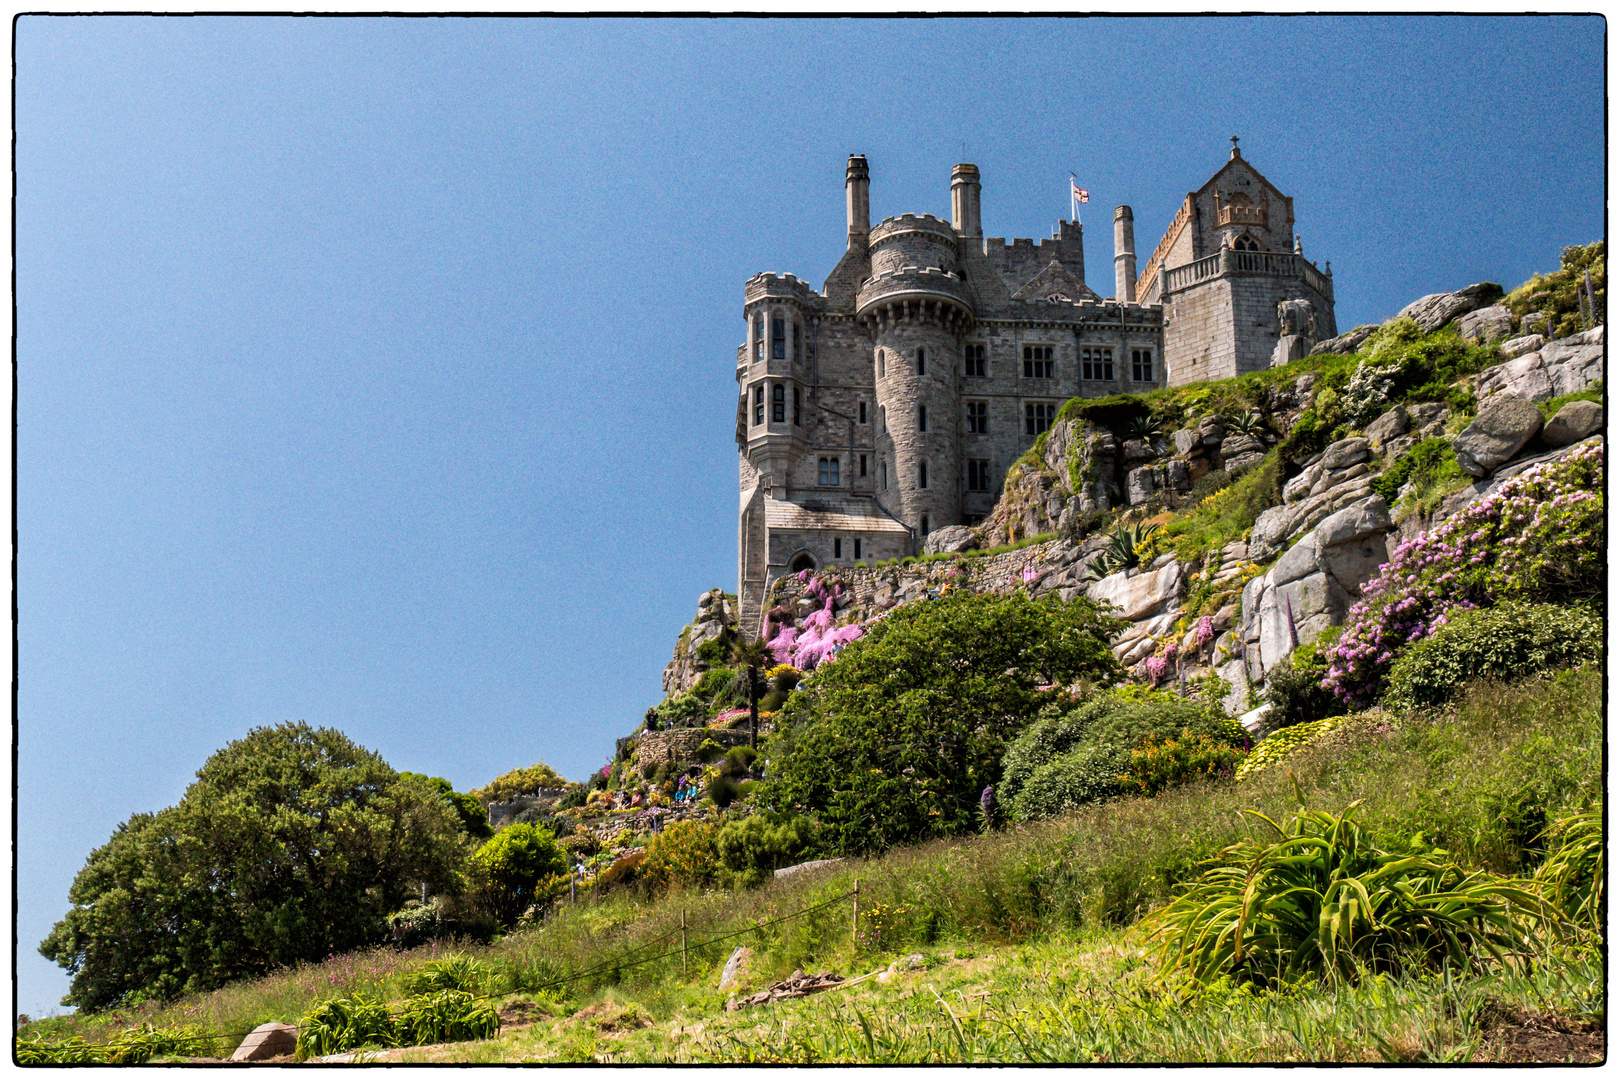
column 827, row 472
column 1038, row 416
column 778, row 403
column 795, row 343
column 1245, row 243
column 1097, row 365
column 1037, row 361
column 759, row 403
column 759, row 337
column 922, row 474
column 1142, row 365
column 796, row 397
column 974, row 355
column 883, row 419
column 778, row 339
column 978, row 417
column 922, row 418
column 978, row 474
column 921, row 366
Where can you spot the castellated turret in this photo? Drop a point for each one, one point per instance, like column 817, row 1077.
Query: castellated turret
column 916, row 307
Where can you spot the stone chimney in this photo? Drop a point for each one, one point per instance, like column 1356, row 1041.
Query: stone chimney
column 1124, row 255
column 857, row 194
column 965, row 200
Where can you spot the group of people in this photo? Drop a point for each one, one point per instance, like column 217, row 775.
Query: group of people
column 687, row 789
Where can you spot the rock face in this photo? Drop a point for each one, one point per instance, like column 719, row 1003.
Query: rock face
column 1515, row 347
column 267, row 1041
column 1573, row 423
column 716, row 615
column 1565, row 366
column 1314, row 584
column 1504, row 424
column 1345, row 343
column 1339, row 477
column 1151, row 601
column 735, row 967
column 949, row 539
column 1486, row 325
column 1435, row 310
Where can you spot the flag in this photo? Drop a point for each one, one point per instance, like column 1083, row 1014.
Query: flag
column 1080, row 194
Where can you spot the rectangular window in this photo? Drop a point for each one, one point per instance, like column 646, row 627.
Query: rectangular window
column 838, row 547
column 1142, row 365
column 883, row 475
column 922, row 474
column 1038, row 416
column 778, row 403
column 1037, row 361
column 978, row 474
column 921, row 367
column 759, row 403
column 978, row 417
column 778, row 340
column 863, row 412
column 863, row 472
column 1097, row 365
column 975, row 361
column 857, row 547
column 797, row 393
column 922, row 418
column 759, row 337
column 795, row 343
column 827, row 472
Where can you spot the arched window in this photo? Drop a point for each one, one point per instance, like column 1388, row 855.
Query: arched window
column 801, row 562
column 922, row 418
column 922, row 474
column 1245, row 243
column 880, row 363
column 921, row 366
column 883, row 474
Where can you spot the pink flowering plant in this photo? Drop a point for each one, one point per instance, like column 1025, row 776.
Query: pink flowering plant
column 816, row 639
column 1539, row 537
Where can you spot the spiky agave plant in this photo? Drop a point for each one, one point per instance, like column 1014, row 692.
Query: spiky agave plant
column 1141, row 427
column 1252, row 422
column 1121, row 552
column 1322, row 900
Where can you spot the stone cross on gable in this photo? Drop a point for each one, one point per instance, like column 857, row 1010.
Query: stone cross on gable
column 1234, row 146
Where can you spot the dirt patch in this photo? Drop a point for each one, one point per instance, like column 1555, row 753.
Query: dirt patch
column 608, row 1018
column 522, row 1013
column 1514, row 1036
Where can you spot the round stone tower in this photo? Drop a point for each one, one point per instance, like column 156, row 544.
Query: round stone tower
column 916, row 307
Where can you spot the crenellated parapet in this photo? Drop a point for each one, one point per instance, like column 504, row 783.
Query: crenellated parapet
column 916, row 294
column 779, row 287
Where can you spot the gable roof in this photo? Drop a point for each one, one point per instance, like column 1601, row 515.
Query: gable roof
column 1230, row 164
column 1055, row 279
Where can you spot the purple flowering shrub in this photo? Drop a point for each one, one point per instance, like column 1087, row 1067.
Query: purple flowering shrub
column 1539, row 537
column 816, row 639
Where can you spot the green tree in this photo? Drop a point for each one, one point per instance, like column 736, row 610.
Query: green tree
column 474, row 818
column 752, row 654
column 519, row 782
column 291, row 844
column 511, row 867
column 896, row 739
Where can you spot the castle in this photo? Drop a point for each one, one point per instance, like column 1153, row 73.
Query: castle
column 891, row 403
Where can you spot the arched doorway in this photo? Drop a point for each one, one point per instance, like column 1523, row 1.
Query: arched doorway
column 801, row 562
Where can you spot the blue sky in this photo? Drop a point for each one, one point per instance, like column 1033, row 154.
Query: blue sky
column 378, row 373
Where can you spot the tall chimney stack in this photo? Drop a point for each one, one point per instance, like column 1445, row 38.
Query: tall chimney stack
column 965, row 200
column 857, row 195
column 1124, row 255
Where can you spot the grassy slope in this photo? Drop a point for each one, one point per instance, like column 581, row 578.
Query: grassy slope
column 1031, row 918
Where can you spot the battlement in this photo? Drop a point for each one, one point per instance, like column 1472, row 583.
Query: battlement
column 912, row 223
column 1022, row 259
column 777, row 287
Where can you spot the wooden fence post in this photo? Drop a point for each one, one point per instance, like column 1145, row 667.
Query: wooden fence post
column 683, row 941
column 855, row 916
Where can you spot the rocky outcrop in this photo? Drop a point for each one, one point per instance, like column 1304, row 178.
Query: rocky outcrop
column 716, row 617
column 951, row 538
column 1458, row 501
column 1435, row 310
column 267, row 1041
column 1516, row 347
column 1486, row 325
column 1501, row 428
column 1574, row 422
column 1337, row 477
column 1150, row 599
column 1314, row 584
column 1345, row 343
column 1565, row 366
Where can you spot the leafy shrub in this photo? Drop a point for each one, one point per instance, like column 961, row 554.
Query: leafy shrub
column 136, row 1046
column 1539, row 537
column 1507, row 641
column 519, row 782
column 340, row 1024
column 448, row 973
column 1294, row 687
column 44, row 1050
column 1280, row 744
column 442, row 1016
column 1322, row 899
column 1427, row 464
column 752, row 848
column 624, row 873
column 895, row 739
column 1084, row 774
column 1227, row 514
column 510, row 868
column 572, row 798
column 683, row 856
column 717, row 688
column 681, row 711
column 722, row 790
column 1157, row 766
column 710, row 751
